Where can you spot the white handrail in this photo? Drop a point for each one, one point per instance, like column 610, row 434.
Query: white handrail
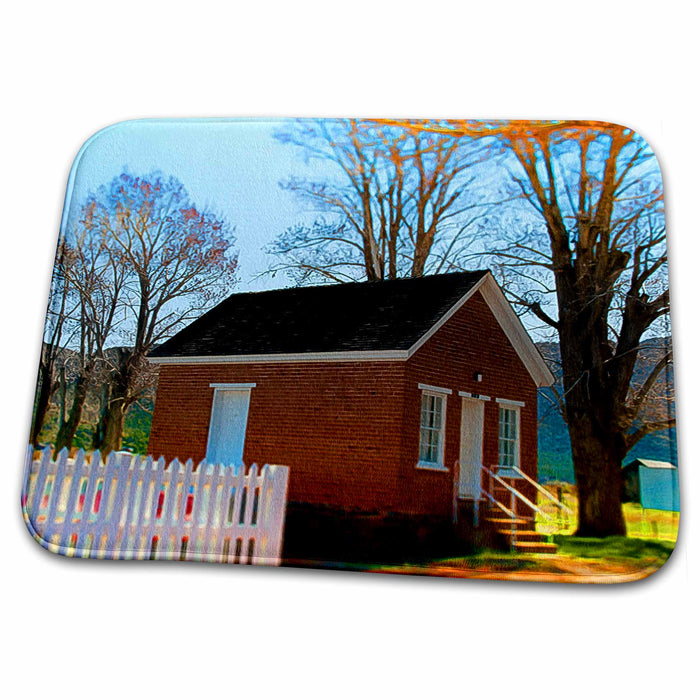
column 511, row 513
column 508, row 512
column 517, row 493
column 542, row 490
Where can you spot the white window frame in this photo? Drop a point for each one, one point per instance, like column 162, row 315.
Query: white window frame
column 234, row 387
column 438, row 393
column 514, row 406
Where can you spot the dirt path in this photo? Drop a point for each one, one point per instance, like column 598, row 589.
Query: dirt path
column 554, row 568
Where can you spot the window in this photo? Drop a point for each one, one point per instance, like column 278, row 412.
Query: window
column 432, row 429
column 508, row 436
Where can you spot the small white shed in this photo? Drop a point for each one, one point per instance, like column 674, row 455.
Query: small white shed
column 651, row 483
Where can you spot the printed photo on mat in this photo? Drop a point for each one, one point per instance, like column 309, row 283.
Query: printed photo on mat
column 421, row 347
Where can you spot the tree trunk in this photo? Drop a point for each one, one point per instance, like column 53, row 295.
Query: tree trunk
column 599, row 501
column 419, row 260
column 117, row 399
column 42, row 403
column 66, row 432
column 117, row 402
column 100, row 426
column 593, row 411
column 114, row 425
column 63, row 394
column 597, row 456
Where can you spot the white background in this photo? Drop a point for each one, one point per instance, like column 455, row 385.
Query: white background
column 99, row 629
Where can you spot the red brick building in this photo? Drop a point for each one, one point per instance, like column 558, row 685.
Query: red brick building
column 381, row 397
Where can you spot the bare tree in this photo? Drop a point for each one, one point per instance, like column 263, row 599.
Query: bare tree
column 174, row 261
column 393, row 202
column 596, row 265
column 97, row 279
column 60, row 307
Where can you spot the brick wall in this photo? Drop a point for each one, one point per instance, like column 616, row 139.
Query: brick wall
column 349, row 431
column 471, row 341
column 336, row 425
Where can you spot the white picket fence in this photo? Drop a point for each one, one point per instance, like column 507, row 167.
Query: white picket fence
column 134, row 507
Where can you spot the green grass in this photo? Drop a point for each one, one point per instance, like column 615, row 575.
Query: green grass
column 641, row 523
column 649, row 523
column 137, row 427
column 614, row 548
column 493, row 560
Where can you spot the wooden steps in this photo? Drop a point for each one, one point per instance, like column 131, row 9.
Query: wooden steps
column 535, row 547
column 527, row 540
column 503, row 524
column 524, row 535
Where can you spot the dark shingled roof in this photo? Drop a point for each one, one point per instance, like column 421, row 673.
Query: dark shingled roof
column 361, row 316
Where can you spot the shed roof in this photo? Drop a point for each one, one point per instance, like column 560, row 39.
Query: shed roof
column 651, row 464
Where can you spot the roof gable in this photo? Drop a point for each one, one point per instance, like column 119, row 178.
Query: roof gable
column 364, row 320
column 509, row 322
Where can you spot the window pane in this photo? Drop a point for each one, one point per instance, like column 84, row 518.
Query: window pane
column 507, row 437
column 424, row 446
column 437, row 416
column 431, row 428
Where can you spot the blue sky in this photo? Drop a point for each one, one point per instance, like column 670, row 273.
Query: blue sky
column 232, row 167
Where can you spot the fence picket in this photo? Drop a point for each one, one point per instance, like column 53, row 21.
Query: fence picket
column 264, row 507
column 250, row 530
column 214, row 513
column 104, row 495
column 28, row 482
column 84, row 532
column 39, row 488
column 153, row 527
column 52, row 527
column 197, row 545
column 118, row 503
column 146, row 496
column 166, row 523
column 252, row 483
column 279, row 477
column 181, row 526
column 127, row 543
column 69, row 528
column 218, row 526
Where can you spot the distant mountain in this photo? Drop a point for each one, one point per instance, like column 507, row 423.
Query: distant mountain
column 554, row 459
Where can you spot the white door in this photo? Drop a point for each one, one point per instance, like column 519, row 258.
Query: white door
column 229, row 417
column 471, row 450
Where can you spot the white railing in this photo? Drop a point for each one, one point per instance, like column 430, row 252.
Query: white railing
column 134, row 507
column 513, row 492
column 543, row 491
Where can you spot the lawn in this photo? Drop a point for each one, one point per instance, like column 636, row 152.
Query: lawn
column 642, row 523
column 618, row 549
